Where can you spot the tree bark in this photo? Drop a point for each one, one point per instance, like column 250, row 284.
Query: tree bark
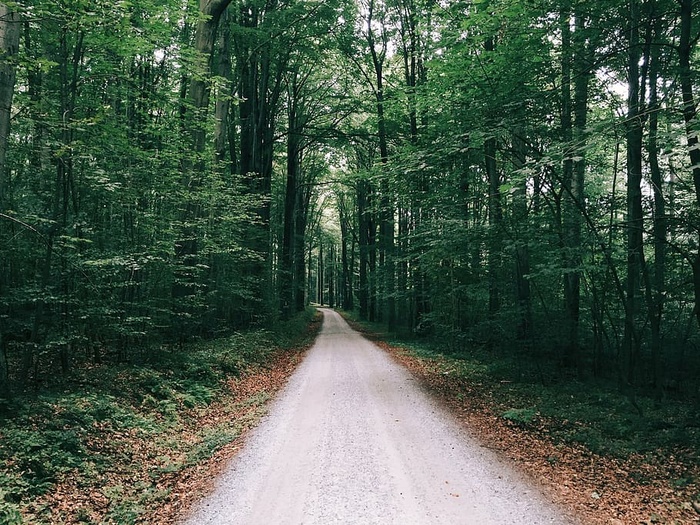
column 522, row 250
column 9, row 46
column 495, row 211
column 290, row 201
column 635, row 216
column 685, row 50
column 386, row 211
column 364, row 223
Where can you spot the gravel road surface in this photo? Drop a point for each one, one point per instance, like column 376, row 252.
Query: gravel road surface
column 352, row 439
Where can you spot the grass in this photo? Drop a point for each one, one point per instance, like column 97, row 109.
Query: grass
column 116, row 431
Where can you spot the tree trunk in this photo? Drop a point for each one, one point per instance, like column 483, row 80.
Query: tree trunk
column 386, row 207
column 9, row 46
column 685, row 50
column 321, row 273
column 522, row 251
column 570, row 247
column 656, row 284
column 576, row 59
column 193, row 163
column 635, row 216
column 495, row 212
column 222, row 109
column 495, row 220
column 346, row 260
column 363, row 221
column 301, row 219
column 286, row 270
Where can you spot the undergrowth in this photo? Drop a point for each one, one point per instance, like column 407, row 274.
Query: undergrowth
column 123, row 422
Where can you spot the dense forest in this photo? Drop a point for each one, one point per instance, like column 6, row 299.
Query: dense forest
column 522, row 176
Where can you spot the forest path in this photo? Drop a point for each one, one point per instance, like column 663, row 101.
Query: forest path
column 352, row 439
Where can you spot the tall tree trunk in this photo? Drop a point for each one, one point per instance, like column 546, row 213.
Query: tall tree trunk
column 495, row 220
column 346, row 259
column 222, row 109
column 412, row 304
column 387, row 311
column 331, row 275
column 9, row 46
column 193, row 163
column 364, row 223
column 495, row 212
column 290, row 201
column 577, row 60
column 301, row 219
column 522, row 250
column 635, row 216
column 321, row 273
column 685, row 50
column 656, row 284
column 259, row 91
column 205, row 38
column 570, row 234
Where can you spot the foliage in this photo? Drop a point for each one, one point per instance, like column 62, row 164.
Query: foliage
column 128, row 422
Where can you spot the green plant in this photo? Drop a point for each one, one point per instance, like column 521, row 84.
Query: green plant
column 520, row 416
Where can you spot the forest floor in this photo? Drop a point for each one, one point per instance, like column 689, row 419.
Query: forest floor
column 140, row 444
column 613, row 463
column 135, row 444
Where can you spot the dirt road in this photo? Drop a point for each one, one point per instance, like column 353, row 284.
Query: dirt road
column 353, row 439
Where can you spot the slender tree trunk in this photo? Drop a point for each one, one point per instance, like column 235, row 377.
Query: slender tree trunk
column 495, row 212
column 346, row 259
column 9, row 46
column 261, row 68
column 363, row 221
column 569, row 225
column 331, row 275
column 205, row 38
column 193, row 163
column 321, row 274
column 522, row 251
column 495, row 220
column 634, row 196
column 655, row 284
column 301, row 219
column 574, row 122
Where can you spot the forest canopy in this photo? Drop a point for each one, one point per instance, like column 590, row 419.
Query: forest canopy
column 522, row 176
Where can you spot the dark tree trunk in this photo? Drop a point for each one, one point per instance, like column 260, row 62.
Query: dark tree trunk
column 387, row 310
column 522, row 251
column 495, row 212
column 289, row 235
column 685, row 50
column 364, row 221
column 635, row 216
column 9, row 46
column 495, row 220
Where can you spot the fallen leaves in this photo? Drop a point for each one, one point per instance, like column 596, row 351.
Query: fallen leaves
column 600, row 490
column 155, row 478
